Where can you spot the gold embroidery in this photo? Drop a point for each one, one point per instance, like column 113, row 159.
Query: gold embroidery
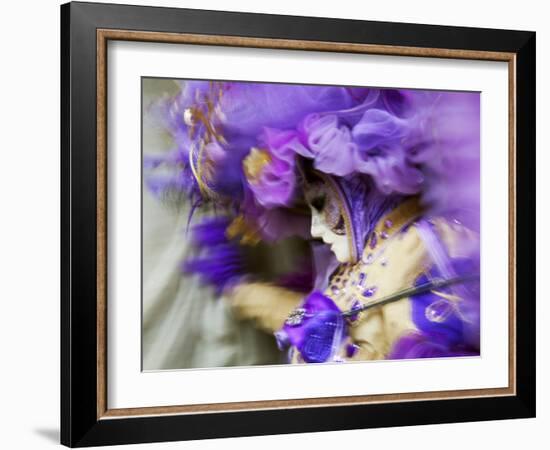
column 254, row 164
column 240, row 227
column 202, row 166
column 198, row 170
column 353, row 283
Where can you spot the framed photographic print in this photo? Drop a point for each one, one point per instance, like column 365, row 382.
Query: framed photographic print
column 276, row 224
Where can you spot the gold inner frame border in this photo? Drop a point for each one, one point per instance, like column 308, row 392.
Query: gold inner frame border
column 105, row 35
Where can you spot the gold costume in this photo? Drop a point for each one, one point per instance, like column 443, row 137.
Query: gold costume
column 394, row 257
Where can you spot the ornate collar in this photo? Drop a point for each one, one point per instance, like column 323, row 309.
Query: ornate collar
column 349, row 285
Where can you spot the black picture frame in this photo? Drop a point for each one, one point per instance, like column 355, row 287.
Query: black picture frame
column 80, row 424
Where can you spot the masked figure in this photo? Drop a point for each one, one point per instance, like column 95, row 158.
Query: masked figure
column 382, row 184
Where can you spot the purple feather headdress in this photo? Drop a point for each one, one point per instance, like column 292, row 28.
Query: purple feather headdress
column 239, row 144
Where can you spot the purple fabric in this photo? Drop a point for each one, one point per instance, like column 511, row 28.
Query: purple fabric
column 383, row 156
column 448, row 332
column 450, row 161
column 276, row 184
column 364, row 205
column 249, row 107
column 417, row 345
column 330, row 144
column 321, row 331
column 324, row 262
column 451, row 335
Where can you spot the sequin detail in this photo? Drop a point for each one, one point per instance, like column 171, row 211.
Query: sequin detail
column 373, row 240
column 351, row 350
column 296, row 317
column 368, row 259
column 369, row 292
column 356, row 306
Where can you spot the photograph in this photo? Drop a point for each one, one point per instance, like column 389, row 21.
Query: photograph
column 298, row 223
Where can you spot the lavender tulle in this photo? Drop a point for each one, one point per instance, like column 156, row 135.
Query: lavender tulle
column 454, row 334
column 406, row 141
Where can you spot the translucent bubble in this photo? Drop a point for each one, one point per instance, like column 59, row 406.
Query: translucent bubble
column 439, row 311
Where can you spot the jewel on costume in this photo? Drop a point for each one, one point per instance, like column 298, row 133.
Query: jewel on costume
column 439, row 310
column 296, row 317
column 356, row 306
column 370, row 291
column 368, row 259
column 351, row 350
column 373, row 240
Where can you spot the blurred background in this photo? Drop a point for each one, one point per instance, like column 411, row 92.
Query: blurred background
column 184, row 324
